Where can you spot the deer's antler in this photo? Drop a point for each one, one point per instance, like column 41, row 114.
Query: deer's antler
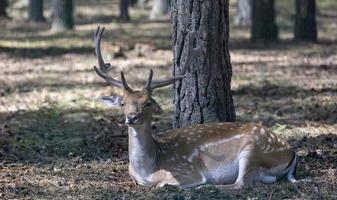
column 103, row 69
column 192, row 53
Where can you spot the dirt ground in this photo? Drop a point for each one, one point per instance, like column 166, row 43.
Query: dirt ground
column 58, row 142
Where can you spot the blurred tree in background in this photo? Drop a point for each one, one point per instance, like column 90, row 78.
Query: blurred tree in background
column 62, row 15
column 160, row 8
column 3, row 6
column 205, row 94
column 124, row 10
column 133, row 2
column 263, row 21
column 305, row 21
column 142, row 3
column 243, row 13
column 35, row 10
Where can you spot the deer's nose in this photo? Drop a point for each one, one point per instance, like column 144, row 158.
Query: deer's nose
column 132, row 118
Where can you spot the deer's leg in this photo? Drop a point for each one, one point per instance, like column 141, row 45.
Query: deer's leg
column 247, row 170
column 171, row 181
column 245, row 175
column 267, row 179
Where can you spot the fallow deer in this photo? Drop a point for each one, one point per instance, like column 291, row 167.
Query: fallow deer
column 231, row 155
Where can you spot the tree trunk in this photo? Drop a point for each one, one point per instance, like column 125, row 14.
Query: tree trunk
column 133, row 2
column 263, row 24
column 205, row 94
column 35, row 10
column 244, row 13
column 3, row 6
column 63, row 15
column 124, row 10
column 160, row 8
column 142, row 3
column 305, row 22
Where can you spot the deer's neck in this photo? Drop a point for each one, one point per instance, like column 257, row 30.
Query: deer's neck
column 142, row 149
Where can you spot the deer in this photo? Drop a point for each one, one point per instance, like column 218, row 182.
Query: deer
column 225, row 154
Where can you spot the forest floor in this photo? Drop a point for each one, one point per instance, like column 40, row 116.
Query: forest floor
column 58, row 142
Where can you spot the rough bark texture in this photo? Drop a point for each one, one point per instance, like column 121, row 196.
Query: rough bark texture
column 35, row 10
column 244, row 13
column 160, row 8
column 205, row 94
column 3, row 6
column 263, row 24
column 63, row 15
column 124, row 10
column 305, row 22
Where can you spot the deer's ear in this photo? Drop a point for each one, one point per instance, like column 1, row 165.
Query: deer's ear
column 156, row 108
column 113, row 101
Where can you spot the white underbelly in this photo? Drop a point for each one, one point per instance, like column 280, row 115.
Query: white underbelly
column 223, row 174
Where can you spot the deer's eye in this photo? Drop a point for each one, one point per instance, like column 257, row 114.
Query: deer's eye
column 122, row 104
column 147, row 104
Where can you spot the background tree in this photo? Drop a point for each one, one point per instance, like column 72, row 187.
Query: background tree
column 305, row 21
column 160, row 8
column 205, row 94
column 63, row 15
column 142, row 3
column 243, row 13
column 3, row 6
column 35, row 10
column 124, row 10
column 263, row 21
column 133, row 2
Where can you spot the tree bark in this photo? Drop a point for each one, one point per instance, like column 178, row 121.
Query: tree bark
column 133, row 2
column 160, row 8
column 3, row 6
column 35, row 10
column 124, row 10
column 63, row 15
column 142, row 3
column 305, row 22
column 263, row 21
column 244, row 13
column 205, row 94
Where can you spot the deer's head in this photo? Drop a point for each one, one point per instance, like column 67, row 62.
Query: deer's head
column 138, row 105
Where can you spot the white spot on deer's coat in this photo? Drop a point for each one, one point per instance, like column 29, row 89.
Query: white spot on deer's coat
column 193, row 155
column 263, row 131
column 269, row 140
column 256, row 138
